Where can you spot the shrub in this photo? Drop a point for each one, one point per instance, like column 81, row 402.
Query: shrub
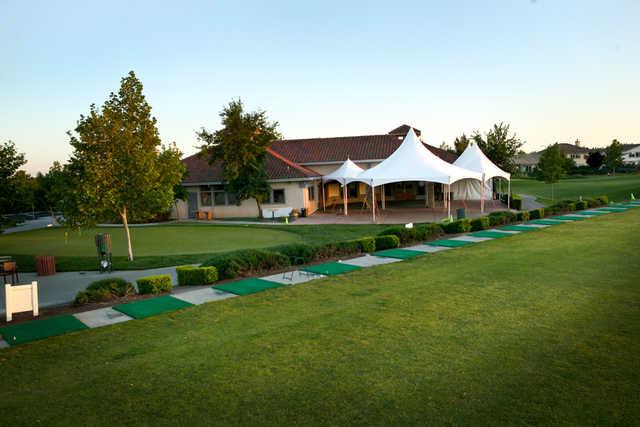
column 417, row 233
column 386, row 242
column 481, row 223
column 570, row 207
column 347, row 247
column 536, row 213
column 424, row 232
column 105, row 290
column 298, row 253
column 459, row 226
column 367, row 244
column 604, row 200
column 245, row 262
column 189, row 275
column 522, row 216
column 516, row 202
column 591, row 202
column 154, row 284
column 581, row 205
column 501, row 218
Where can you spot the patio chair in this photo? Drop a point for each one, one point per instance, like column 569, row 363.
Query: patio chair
column 10, row 268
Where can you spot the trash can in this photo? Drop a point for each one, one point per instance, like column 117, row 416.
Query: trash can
column 303, row 212
column 45, row 265
column 460, row 213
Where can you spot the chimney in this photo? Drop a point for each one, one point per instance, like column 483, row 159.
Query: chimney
column 577, row 142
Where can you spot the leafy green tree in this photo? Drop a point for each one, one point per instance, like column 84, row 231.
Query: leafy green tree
column 460, row 143
column 595, row 159
column 241, row 146
column 613, row 157
column 500, row 147
column 24, row 187
column 551, row 166
column 119, row 168
column 10, row 161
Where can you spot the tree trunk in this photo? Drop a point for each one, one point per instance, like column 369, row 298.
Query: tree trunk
column 123, row 214
column 259, row 209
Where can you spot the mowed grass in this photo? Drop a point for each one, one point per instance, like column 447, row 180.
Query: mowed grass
column 618, row 187
column 163, row 245
column 538, row 328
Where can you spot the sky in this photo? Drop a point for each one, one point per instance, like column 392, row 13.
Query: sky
column 554, row 70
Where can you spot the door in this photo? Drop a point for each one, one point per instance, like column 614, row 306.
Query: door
column 193, row 204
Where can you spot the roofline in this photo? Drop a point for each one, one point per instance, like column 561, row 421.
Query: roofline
column 339, row 162
column 187, row 184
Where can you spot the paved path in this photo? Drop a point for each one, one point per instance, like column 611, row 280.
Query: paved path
column 32, row 224
column 61, row 288
column 529, row 202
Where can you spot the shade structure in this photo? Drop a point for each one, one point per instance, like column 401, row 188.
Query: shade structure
column 412, row 161
column 348, row 170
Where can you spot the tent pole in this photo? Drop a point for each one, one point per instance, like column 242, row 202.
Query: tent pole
column 324, row 208
column 448, row 203
column 384, row 205
column 344, row 199
column 373, row 202
column 482, row 196
column 426, row 194
column 509, row 195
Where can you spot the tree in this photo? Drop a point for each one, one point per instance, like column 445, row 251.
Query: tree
column 595, row 159
column 613, row 156
column 241, row 146
column 460, row 143
column 500, row 147
column 551, row 166
column 10, row 161
column 119, row 167
column 446, row 147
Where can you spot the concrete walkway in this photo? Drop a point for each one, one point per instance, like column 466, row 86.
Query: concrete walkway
column 32, row 224
column 529, row 202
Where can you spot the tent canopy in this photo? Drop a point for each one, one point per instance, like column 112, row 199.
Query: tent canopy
column 412, row 161
column 348, row 170
column 474, row 159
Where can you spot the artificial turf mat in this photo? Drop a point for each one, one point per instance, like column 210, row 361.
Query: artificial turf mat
column 43, row 328
column 449, row 243
column 331, row 268
column 591, row 213
column 151, row 307
column 490, row 234
column 545, row 221
column 398, row 253
column 517, row 228
column 248, row 286
column 613, row 209
column 570, row 218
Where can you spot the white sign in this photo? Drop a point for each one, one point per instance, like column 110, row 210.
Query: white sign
column 21, row 298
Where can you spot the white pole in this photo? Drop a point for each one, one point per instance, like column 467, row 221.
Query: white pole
column 373, row 202
column 323, row 202
column 344, row 199
column 448, row 203
column 384, row 205
column 482, row 195
column 509, row 196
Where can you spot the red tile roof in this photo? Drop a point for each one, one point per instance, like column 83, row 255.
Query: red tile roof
column 327, row 150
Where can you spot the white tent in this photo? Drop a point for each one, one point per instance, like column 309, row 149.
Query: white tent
column 475, row 160
column 412, row 161
column 347, row 171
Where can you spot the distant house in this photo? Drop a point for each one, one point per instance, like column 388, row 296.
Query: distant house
column 527, row 163
column 631, row 154
column 295, row 168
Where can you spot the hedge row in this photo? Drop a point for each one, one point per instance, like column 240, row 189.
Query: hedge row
column 189, row 275
column 417, row 233
column 154, row 284
column 105, row 290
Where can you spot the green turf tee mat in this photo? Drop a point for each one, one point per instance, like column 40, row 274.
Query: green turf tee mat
column 248, row 286
column 570, row 218
column 490, row 234
column 517, row 228
column 591, row 213
column 546, row 221
column 398, row 253
column 151, row 307
column 449, row 243
column 612, row 209
column 38, row 329
column 331, row 268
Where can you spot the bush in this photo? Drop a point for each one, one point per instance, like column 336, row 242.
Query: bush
column 581, row 205
column 298, row 253
column 189, row 275
column 604, row 200
column 481, row 223
column 459, row 226
column 501, row 218
column 105, row 290
column 367, row 244
column 245, row 262
column 536, row 213
column 154, row 284
column 522, row 216
column 386, row 242
column 417, row 233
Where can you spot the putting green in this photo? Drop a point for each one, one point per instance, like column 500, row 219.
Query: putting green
column 517, row 228
column 43, row 328
column 151, row 307
column 546, row 221
column 331, row 268
column 398, row 253
column 248, row 286
column 490, row 234
column 449, row 243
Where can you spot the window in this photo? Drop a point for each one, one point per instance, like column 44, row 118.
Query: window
column 277, row 196
column 352, row 189
column 312, row 192
column 205, row 198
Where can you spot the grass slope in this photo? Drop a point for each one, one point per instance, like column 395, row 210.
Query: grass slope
column 163, row 245
column 616, row 187
column 538, row 328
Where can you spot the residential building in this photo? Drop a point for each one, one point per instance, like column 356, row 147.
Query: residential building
column 631, row 154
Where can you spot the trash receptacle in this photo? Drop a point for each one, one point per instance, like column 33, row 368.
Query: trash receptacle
column 303, row 212
column 460, row 213
column 45, row 265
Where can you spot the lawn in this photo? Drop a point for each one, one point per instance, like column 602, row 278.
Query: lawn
column 538, row 328
column 164, row 245
column 618, row 187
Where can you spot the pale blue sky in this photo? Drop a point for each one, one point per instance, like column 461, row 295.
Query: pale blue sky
column 555, row 70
